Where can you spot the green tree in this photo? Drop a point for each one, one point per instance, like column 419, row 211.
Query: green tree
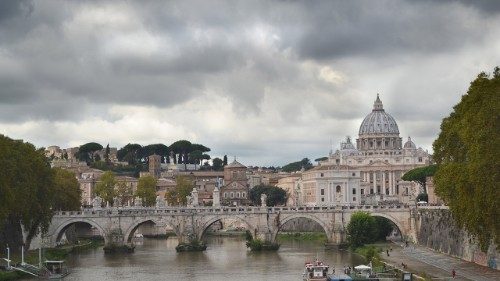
column 26, row 188
column 320, row 159
column 181, row 148
column 467, row 152
column 297, row 166
column 106, row 155
column 105, row 188
column 420, row 174
column 130, row 153
column 66, row 191
column 225, row 160
column 275, row 195
column 217, row 164
column 362, row 229
column 87, row 152
column 146, row 190
column 124, row 192
column 178, row 196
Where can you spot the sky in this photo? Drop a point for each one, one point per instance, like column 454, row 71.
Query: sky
column 269, row 82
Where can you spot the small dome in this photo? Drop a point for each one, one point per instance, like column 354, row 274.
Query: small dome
column 347, row 148
column 378, row 121
column 235, row 164
column 409, row 144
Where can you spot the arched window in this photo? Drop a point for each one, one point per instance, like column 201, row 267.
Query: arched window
column 232, row 194
column 338, row 188
column 237, row 195
column 243, row 195
column 225, row 194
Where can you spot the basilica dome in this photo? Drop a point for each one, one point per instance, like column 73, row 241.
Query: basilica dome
column 378, row 121
column 410, row 144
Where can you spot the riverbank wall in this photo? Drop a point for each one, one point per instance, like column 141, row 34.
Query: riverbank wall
column 438, row 231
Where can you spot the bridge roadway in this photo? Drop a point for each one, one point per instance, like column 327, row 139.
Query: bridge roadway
column 117, row 225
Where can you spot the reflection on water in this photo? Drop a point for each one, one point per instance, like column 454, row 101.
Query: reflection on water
column 226, row 258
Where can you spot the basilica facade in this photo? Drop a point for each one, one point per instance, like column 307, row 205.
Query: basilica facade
column 381, row 158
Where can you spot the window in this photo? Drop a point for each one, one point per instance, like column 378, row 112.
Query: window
column 419, row 159
column 322, row 199
column 225, row 194
column 354, row 199
column 354, row 191
column 322, row 192
column 232, row 194
column 338, row 188
column 321, row 175
column 243, row 195
column 353, row 174
column 362, row 191
column 371, row 190
column 237, row 195
column 397, row 189
column 387, row 191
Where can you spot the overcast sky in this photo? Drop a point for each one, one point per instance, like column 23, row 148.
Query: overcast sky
column 267, row 81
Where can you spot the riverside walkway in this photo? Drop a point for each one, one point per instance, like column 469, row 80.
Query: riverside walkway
column 437, row 265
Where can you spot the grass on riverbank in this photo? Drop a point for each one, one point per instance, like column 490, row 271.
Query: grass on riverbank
column 11, row 275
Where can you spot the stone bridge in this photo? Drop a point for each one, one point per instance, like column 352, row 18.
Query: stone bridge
column 117, row 225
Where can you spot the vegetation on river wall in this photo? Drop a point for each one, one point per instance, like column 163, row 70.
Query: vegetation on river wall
column 193, row 246
column 256, row 245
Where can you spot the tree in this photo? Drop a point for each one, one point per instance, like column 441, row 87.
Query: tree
column 158, row 149
column 467, row 152
column 217, row 164
column 297, row 166
column 66, row 190
column 225, row 160
column 178, row 196
column 181, row 148
column 26, row 195
column 361, row 229
column 106, row 155
column 87, row 151
column 130, row 153
column 420, row 174
column 275, row 195
column 320, row 159
column 124, row 192
column 105, row 188
column 146, row 190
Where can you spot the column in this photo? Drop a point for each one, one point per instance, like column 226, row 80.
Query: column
column 383, row 182
column 391, row 187
column 374, row 182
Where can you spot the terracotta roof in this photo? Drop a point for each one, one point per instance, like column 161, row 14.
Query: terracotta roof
column 235, row 164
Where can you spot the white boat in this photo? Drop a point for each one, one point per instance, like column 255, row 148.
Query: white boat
column 138, row 235
column 315, row 271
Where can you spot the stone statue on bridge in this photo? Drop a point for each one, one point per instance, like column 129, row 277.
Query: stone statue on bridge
column 216, row 197
column 263, row 199
column 97, row 202
column 138, row 202
column 160, row 203
column 194, row 197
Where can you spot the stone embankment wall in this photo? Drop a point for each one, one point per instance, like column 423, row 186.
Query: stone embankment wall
column 439, row 232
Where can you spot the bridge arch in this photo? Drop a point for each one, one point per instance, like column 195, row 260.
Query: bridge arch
column 397, row 223
column 215, row 219
column 135, row 225
column 62, row 227
column 317, row 220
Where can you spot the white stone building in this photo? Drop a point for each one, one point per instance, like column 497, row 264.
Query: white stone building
column 381, row 158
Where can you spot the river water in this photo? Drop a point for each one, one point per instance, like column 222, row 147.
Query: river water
column 226, row 258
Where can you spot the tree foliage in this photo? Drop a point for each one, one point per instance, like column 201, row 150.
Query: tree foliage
column 362, row 229
column 66, row 190
column 297, row 166
column 146, row 190
column 217, row 164
column 124, row 192
column 467, row 152
column 275, row 195
column 178, row 196
column 105, row 188
column 420, row 174
column 28, row 187
column 87, row 152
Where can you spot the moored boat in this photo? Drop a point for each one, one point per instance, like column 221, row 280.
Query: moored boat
column 315, row 271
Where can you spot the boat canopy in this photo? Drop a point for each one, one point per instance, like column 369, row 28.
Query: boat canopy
column 362, row 267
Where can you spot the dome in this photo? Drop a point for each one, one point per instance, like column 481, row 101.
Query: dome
column 410, row 144
column 378, row 121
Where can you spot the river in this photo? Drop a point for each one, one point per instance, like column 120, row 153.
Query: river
column 226, row 258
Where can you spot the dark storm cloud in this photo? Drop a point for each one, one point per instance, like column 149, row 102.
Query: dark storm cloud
column 12, row 8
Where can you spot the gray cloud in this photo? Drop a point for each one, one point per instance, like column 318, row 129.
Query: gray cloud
column 308, row 69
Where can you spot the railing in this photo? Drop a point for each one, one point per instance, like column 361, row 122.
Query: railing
column 134, row 211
